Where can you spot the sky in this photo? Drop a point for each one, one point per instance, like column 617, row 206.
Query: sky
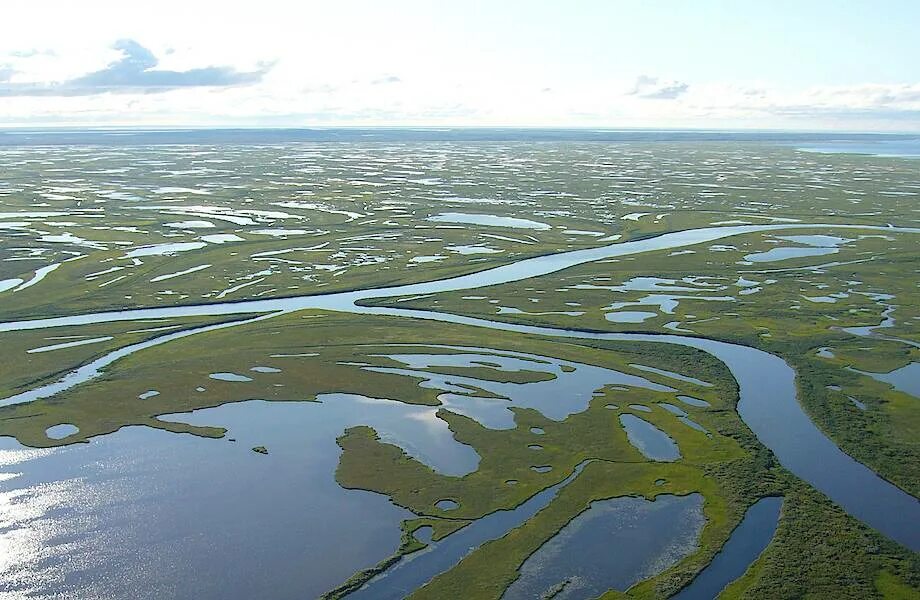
column 850, row 65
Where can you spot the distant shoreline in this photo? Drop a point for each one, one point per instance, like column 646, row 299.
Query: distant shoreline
column 124, row 137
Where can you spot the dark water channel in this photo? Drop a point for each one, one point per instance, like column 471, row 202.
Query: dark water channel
column 745, row 544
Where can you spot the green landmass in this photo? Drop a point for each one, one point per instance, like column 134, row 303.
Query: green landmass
column 314, row 223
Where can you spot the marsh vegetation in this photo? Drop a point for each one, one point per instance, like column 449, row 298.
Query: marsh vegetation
column 443, row 438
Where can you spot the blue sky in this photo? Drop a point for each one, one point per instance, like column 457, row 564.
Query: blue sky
column 846, row 65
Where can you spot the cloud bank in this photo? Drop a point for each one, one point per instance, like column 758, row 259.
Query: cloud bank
column 66, row 86
column 134, row 73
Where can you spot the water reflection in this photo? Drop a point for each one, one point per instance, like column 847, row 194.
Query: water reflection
column 613, row 545
column 652, row 442
column 743, row 547
column 557, row 388
column 148, row 514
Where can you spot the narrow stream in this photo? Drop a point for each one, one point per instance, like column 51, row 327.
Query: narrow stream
column 768, row 403
column 517, row 271
column 744, row 546
column 415, row 570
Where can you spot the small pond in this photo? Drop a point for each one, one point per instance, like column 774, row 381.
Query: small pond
column 652, row 442
column 488, row 220
column 612, row 545
column 59, row 432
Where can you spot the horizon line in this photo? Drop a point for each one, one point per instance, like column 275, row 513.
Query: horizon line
column 5, row 128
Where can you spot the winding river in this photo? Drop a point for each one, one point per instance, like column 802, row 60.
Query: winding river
column 768, row 402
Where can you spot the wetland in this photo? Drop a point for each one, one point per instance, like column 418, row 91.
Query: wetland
column 497, row 369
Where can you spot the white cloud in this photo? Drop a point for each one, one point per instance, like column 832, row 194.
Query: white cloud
column 281, row 100
column 656, row 89
column 858, row 106
column 388, row 67
column 134, row 71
